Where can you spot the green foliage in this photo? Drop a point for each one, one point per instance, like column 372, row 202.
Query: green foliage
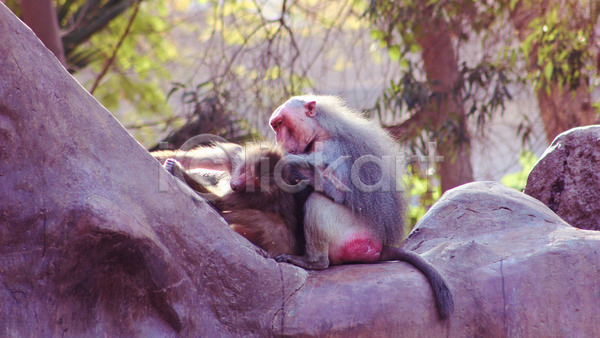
column 518, row 180
column 558, row 47
column 398, row 25
column 438, row 112
column 485, row 90
column 261, row 52
column 14, row 6
column 138, row 70
column 132, row 75
column 422, row 195
column 482, row 90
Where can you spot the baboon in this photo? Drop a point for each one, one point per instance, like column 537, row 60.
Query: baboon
column 253, row 204
column 356, row 213
column 216, row 155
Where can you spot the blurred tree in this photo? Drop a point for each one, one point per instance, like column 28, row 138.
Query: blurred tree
column 211, row 112
column 557, row 53
column 71, row 22
column 40, row 16
column 127, row 60
column 425, row 38
column 120, row 57
column 558, row 39
column 255, row 55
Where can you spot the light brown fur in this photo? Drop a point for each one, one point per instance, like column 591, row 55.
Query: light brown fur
column 255, row 207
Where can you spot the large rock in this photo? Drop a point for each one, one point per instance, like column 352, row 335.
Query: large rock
column 567, row 177
column 91, row 241
column 516, row 267
column 94, row 241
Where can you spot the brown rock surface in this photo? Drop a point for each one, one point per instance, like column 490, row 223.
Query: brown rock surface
column 94, row 241
column 567, row 177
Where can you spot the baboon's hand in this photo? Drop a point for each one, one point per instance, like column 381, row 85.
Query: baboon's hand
column 170, row 164
column 281, row 258
column 175, row 168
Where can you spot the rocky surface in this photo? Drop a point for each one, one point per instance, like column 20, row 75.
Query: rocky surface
column 515, row 268
column 97, row 240
column 567, row 177
column 92, row 240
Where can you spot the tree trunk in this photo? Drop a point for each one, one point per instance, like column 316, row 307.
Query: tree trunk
column 441, row 68
column 561, row 109
column 40, row 16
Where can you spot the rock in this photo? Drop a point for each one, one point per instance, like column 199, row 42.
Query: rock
column 96, row 239
column 515, row 269
column 567, row 177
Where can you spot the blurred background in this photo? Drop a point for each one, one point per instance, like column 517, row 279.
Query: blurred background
column 474, row 90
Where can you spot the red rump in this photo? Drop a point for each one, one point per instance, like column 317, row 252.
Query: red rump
column 357, row 248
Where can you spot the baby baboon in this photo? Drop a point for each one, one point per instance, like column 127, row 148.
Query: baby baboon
column 253, row 204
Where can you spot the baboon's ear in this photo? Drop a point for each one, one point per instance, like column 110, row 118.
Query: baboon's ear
column 310, row 109
column 232, row 154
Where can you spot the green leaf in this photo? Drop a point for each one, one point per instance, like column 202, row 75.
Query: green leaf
column 404, row 64
column 513, row 58
column 377, row 34
column 518, row 180
column 548, row 69
column 395, row 52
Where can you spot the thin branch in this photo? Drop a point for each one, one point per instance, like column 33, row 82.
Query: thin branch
column 167, row 121
column 411, row 127
column 110, row 61
column 78, row 33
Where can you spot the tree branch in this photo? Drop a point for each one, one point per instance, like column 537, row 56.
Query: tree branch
column 110, row 61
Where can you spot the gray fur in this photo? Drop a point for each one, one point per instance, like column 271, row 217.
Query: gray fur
column 351, row 134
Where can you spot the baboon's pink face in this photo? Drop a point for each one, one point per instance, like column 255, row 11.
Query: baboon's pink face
column 295, row 126
column 250, row 169
column 242, row 175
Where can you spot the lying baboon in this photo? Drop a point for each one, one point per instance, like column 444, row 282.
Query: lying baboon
column 253, row 204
